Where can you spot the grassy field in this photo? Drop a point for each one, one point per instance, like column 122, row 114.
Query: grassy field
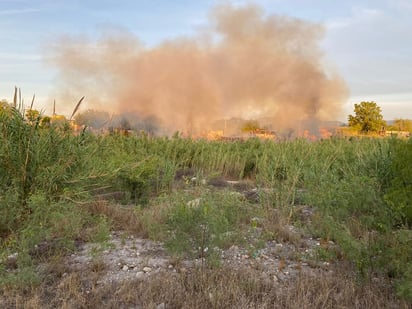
column 59, row 190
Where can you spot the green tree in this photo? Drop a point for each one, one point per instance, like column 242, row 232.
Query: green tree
column 45, row 122
column 4, row 103
column 251, row 127
column 368, row 117
column 402, row 125
column 33, row 116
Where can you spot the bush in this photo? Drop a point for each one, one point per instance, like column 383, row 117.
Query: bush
column 197, row 226
column 399, row 191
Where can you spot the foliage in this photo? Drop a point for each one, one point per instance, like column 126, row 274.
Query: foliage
column 368, row 117
column 32, row 115
column 37, row 166
column 199, row 226
column 360, row 188
column 399, row 180
column 250, row 126
column 401, row 125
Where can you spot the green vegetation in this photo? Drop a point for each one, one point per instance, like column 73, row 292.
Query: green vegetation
column 368, row 117
column 401, row 125
column 251, row 126
column 50, row 180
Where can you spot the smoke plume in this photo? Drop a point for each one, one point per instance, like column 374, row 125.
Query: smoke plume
column 247, row 65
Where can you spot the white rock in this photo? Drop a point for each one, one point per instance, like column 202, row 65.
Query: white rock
column 194, row 203
column 161, row 306
column 139, row 274
column 147, row 269
column 13, row 255
column 125, row 268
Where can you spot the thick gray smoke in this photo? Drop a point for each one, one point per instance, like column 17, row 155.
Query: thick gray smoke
column 248, row 65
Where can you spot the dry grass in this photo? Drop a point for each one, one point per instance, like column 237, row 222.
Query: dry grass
column 208, row 288
column 139, row 222
column 277, row 226
column 121, row 217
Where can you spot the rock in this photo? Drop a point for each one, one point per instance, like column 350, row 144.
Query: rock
column 125, row 268
column 147, row 269
column 252, row 195
column 139, row 274
column 13, row 256
column 161, row 306
column 157, row 262
column 194, row 203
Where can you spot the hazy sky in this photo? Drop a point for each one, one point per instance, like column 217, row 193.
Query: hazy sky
column 368, row 42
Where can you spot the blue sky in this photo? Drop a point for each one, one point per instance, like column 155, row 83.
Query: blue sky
column 368, row 42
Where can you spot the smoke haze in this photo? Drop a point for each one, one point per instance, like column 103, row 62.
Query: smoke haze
column 246, row 64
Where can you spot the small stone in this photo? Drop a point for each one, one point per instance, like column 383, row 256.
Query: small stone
column 147, row 269
column 125, row 268
column 194, row 203
column 161, row 306
column 170, row 266
column 13, row 257
column 139, row 274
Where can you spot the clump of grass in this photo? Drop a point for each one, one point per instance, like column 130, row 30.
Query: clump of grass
column 198, row 224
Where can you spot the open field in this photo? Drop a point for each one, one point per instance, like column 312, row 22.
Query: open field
column 141, row 222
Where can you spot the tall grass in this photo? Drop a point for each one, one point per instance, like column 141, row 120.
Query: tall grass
column 48, row 174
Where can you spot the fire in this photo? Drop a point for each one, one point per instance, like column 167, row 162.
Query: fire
column 212, row 135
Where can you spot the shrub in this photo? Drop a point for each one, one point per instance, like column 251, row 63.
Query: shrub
column 399, row 191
